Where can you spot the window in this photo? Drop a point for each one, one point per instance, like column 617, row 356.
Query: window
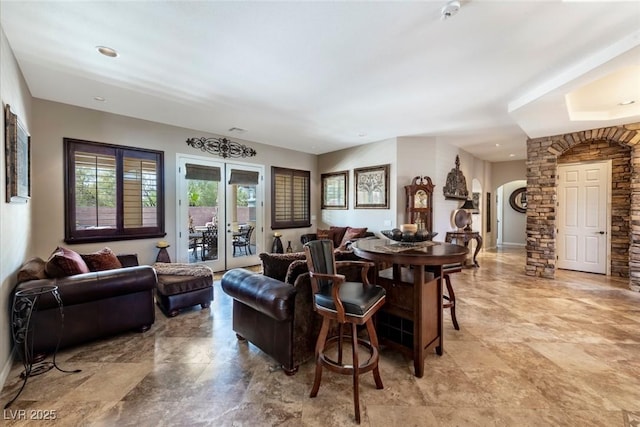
column 112, row 192
column 290, row 202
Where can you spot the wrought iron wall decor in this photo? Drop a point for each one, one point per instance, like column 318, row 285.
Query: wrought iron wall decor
column 518, row 200
column 222, row 147
column 456, row 187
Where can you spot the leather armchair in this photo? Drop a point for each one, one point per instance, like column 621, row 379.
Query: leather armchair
column 276, row 314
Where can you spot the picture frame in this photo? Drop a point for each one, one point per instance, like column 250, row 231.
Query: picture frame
column 372, row 187
column 488, row 212
column 518, row 200
column 334, row 190
column 475, row 199
column 17, row 159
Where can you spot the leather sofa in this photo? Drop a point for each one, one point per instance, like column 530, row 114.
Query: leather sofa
column 274, row 310
column 96, row 304
column 342, row 236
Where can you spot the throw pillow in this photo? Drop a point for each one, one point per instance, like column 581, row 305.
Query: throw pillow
column 32, row 270
column 276, row 265
column 65, row 262
column 325, row 234
column 296, row 268
column 102, row 260
column 338, row 234
column 350, row 234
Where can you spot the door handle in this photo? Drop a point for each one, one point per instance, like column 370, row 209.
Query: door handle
column 600, row 232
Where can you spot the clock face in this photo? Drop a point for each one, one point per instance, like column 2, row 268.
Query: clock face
column 420, row 200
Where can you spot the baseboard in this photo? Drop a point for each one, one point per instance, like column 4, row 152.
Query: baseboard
column 4, row 374
column 520, row 245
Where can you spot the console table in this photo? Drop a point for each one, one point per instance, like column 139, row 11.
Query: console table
column 464, row 237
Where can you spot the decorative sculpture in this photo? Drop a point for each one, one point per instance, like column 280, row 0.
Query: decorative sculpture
column 456, row 187
column 222, row 147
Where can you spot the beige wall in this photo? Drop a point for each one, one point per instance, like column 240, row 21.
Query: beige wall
column 379, row 153
column 54, row 121
column 514, row 223
column 409, row 157
column 15, row 218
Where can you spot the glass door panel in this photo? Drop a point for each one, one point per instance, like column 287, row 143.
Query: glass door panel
column 244, row 214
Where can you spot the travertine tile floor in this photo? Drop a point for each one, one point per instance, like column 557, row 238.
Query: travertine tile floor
column 530, row 352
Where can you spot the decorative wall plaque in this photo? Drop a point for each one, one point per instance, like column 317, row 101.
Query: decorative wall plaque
column 222, row 147
column 456, row 187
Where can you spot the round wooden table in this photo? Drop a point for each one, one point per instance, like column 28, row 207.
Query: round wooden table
column 411, row 318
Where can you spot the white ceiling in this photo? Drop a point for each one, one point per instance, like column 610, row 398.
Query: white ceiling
column 322, row 76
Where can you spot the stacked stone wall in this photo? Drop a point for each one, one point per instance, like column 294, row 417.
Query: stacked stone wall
column 620, row 157
column 618, row 143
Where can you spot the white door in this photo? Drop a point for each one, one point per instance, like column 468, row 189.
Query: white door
column 214, row 206
column 244, row 214
column 583, row 219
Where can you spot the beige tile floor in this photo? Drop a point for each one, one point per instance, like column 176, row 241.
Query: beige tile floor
column 530, row 352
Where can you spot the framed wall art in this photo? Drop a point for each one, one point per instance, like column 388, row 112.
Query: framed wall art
column 334, row 190
column 17, row 158
column 372, row 187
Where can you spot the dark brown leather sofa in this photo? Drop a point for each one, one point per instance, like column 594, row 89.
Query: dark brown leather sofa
column 96, row 305
column 274, row 310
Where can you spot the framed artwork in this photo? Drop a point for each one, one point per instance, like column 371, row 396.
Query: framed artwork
column 518, row 200
column 334, row 190
column 372, row 187
column 475, row 199
column 488, row 212
column 18, row 158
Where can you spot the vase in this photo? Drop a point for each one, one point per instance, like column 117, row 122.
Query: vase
column 277, row 248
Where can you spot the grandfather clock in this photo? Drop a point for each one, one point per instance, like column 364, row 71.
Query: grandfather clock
column 419, row 206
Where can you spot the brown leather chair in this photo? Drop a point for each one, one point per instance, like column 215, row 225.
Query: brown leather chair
column 353, row 303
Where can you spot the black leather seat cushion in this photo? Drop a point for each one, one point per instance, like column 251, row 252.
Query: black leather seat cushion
column 356, row 298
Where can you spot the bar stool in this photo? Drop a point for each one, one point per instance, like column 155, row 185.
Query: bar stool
column 449, row 300
column 352, row 303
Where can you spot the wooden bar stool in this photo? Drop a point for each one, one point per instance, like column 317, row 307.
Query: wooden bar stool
column 449, row 300
column 352, row 303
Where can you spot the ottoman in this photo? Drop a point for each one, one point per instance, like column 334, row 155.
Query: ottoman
column 183, row 285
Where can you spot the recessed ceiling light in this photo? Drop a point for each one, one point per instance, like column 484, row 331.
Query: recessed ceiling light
column 99, row 98
column 497, row 145
column 627, row 102
column 512, row 155
column 107, row 51
column 362, row 134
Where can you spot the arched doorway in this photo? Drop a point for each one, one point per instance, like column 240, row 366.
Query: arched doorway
column 543, row 156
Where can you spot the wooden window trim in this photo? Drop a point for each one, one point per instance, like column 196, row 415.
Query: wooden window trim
column 305, row 205
column 120, row 232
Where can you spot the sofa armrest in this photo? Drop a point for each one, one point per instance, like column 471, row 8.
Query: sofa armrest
column 262, row 293
column 81, row 288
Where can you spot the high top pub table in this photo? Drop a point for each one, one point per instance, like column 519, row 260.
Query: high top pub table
column 411, row 319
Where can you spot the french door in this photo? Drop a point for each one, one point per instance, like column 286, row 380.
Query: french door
column 583, row 217
column 219, row 212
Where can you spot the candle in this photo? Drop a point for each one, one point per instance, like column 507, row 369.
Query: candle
column 411, row 228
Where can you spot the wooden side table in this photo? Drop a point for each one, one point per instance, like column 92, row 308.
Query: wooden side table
column 464, row 237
